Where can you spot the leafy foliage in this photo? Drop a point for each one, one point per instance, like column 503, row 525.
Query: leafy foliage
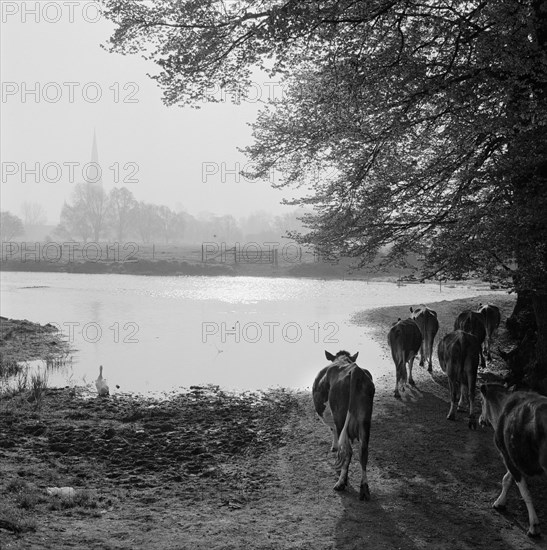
column 428, row 119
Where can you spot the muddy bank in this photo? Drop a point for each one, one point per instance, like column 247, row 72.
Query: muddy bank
column 124, row 453
column 22, row 340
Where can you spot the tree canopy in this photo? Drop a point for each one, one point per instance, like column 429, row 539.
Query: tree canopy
column 431, row 115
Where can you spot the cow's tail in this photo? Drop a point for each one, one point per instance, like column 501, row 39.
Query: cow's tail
column 398, row 354
column 344, row 445
column 349, row 430
column 458, row 358
column 400, row 363
column 427, row 343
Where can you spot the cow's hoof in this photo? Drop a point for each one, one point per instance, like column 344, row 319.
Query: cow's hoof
column 397, row 395
column 533, row 533
column 430, row 369
column 451, row 417
column 422, row 363
column 499, row 507
column 364, row 493
column 472, row 424
column 412, row 383
column 339, row 486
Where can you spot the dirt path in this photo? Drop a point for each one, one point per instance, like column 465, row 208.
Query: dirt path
column 432, row 482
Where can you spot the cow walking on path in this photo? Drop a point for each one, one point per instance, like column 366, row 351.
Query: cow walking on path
column 472, row 322
column 492, row 318
column 427, row 322
column 459, row 358
column 348, row 391
column 404, row 339
column 519, row 420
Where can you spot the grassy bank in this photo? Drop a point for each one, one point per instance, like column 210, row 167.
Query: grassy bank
column 22, row 340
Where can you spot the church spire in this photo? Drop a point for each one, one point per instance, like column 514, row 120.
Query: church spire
column 94, row 173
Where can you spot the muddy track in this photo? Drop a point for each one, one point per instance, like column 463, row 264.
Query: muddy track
column 432, row 484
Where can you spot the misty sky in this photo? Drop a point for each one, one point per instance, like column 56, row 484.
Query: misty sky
column 173, row 148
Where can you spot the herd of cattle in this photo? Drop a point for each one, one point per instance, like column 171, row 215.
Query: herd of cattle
column 343, row 395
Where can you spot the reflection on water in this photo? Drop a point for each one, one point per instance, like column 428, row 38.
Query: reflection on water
column 156, row 333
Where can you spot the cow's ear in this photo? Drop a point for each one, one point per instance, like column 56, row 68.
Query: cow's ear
column 411, row 310
column 483, row 389
column 354, row 357
column 329, row 356
column 398, row 319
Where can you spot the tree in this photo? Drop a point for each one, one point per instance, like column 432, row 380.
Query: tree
column 121, row 205
column 87, row 215
column 33, row 213
column 170, row 224
column 10, row 226
column 146, row 221
column 74, row 223
column 432, row 118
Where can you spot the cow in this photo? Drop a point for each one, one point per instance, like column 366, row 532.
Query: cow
column 404, row 339
column 519, row 420
column 348, row 390
column 427, row 322
column 492, row 318
column 472, row 322
column 459, row 358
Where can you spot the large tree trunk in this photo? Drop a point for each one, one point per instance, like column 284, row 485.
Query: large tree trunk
column 539, row 303
column 528, row 325
column 523, row 319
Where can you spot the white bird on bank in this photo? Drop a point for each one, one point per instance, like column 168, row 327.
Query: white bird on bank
column 101, row 385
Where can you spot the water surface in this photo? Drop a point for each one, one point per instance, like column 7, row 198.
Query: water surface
column 159, row 333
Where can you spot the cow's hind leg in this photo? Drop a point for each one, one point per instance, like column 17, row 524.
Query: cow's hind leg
column 422, row 354
column 342, row 461
column 463, row 395
column 533, row 529
column 499, row 503
column 453, row 391
column 364, row 492
column 429, row 355
column 410, row 364
column 334, row 446
column 472, row 380
column 400, row 371
column 488, row 345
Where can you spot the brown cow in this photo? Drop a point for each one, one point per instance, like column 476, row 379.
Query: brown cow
column 427, row 322
column 348, row 391
column 519, row 420
column 492, row 318
column 472, row 322
column 459, row 359
column 404, row 339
